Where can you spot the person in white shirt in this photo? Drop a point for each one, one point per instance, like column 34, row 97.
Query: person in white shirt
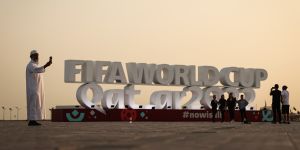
column 242, row 105
column 285, row 104
column 35, row 89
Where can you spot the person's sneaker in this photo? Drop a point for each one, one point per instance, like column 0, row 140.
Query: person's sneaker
column 33, row 123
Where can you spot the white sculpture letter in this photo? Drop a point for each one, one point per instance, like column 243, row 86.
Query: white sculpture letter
column 194, row 102
column 100, row 72
column 205, row 101
column 260, row 75
column 115, row 73
column 225, row 76
column 140, row 73
column 129, row 96
column 181, row 75
column 164, row 74
column 247, row 77
column 83, row 100
column 113, row 99
column 161, row 99
column 86, row 71
column 209, row 75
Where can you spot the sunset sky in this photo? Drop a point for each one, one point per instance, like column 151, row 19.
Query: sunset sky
column 241, row 33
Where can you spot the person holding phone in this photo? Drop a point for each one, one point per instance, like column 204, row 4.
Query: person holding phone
column 276, row 99
column 35, row 89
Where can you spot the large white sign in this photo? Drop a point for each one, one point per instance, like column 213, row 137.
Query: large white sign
column 201, row 81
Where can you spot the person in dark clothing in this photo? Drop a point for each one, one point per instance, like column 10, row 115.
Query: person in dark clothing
column 222, row 107
column 276, row 99
column 231, row 102
column 214, row 106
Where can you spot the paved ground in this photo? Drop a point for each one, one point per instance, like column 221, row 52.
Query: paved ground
column 149, row 135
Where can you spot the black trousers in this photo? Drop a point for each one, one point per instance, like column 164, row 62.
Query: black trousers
column 276, row 111
column 243, row 114
column 214, row 112
column 231, row 114
column 223, row 114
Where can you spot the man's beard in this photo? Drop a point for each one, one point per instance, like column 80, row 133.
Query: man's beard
column 36, row 61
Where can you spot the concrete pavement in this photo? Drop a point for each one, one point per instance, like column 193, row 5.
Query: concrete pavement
column 149, row 135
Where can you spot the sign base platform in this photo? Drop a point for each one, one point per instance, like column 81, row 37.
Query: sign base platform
column 80, row 114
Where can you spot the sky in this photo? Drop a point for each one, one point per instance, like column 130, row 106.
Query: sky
column 241, row 33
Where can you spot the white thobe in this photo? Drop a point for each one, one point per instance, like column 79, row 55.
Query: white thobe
column 35, row 92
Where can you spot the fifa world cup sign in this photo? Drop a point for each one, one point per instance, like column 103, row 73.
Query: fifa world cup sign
column 201, row 81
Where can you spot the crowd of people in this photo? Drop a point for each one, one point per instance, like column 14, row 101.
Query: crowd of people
column 230, row 105
column 278, row 98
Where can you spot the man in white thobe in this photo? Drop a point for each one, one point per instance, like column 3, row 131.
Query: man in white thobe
column 35, row 89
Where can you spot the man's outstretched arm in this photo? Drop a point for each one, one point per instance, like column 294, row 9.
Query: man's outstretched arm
column 48, row 63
